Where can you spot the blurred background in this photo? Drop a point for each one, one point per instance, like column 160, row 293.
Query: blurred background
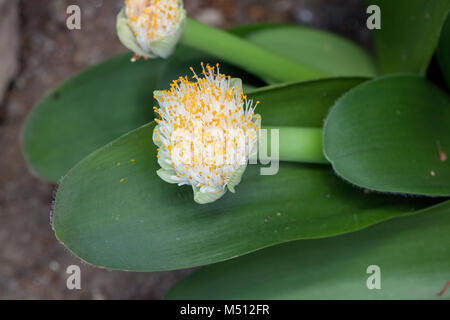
column 37, row 52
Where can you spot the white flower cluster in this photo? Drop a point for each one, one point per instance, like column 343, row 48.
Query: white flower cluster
column 151, row 28
column 207, row 133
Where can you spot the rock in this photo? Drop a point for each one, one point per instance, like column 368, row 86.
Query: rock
column 210, row 16
column 9, row 43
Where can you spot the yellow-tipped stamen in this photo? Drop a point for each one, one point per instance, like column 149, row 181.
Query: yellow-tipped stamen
column 151, row 28
column 206, row 133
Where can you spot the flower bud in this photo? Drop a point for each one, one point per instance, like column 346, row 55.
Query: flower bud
column 151, row 28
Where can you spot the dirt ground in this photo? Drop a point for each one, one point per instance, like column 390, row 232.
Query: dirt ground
column 40, row 52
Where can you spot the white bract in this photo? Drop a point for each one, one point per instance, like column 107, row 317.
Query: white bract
column 151, row 28
column 206, row 134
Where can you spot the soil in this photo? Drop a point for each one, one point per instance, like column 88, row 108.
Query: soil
column 32, row 262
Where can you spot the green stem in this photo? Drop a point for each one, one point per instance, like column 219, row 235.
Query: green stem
column 296, row 144
column 244, row 54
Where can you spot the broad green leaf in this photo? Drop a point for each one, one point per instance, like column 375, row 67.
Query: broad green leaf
column 392, row 134
column 302, row 104
column 409, row 33
column 444, row 51
column 323, row 51
column 88, row 111
column 413, row 255
column 112, row 210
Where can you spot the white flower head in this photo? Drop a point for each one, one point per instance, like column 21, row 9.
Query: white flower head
column 151, row 28
column 206, row 134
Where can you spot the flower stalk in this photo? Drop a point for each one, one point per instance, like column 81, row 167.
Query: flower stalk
column 244, row 54
column 296, row 144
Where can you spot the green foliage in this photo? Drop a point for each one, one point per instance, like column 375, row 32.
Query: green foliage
column 328, row 53
column 125, row 217
column 88, row 111
column 409, row 33
column 115, row 97
column 412, row 253
column 112, row 210
column 392, row 134
column 444, row 51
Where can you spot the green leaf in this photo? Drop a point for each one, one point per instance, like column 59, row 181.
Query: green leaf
column 444, row 51
column 125, row 217
column 301, row 104
column 392, row 134
column 88, row 111
column 409, row 33
column 413, row 255
column 323, row 51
